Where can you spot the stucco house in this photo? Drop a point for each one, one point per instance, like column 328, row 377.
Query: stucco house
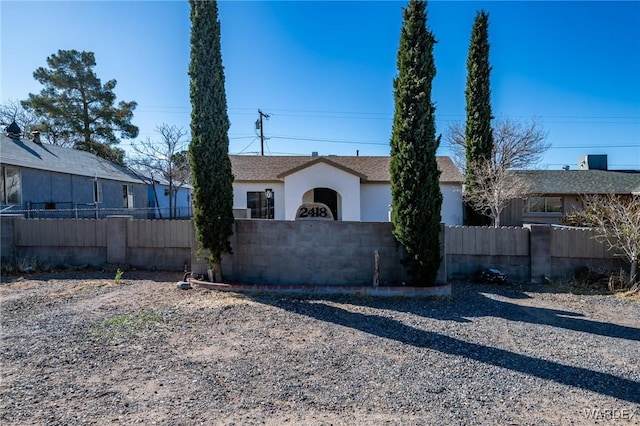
column 354, row 188
column 551, row 194
column 52, row 181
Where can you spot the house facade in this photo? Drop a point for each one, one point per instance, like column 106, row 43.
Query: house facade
column 166, row 202
column 551, row 194
column 51, row 181
column 353, row 188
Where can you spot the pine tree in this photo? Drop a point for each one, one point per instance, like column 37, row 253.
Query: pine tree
column 209, row 148
column 415, row 186
column 79, row 107
column 478, row 134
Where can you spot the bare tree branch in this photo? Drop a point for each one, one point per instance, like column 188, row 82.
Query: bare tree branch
column 617, row 222
column 515, row 145
column 165, row 159
column 494, row 187
column 518, row 146
column 456, row 141
column 28, row 121
column 12, row 111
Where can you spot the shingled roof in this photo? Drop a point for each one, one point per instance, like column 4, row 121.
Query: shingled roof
column 581, row 181
column 28, row 154
column 370, row 169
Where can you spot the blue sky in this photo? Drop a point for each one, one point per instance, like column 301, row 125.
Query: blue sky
column 324, row 70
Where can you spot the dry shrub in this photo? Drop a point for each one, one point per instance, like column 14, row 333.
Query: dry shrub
column 23, row 265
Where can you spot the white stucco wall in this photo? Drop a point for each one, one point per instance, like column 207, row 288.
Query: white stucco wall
column 240, row 190
column 367, row 202
column 322, row 175
column 375, row 199
column 451, row 203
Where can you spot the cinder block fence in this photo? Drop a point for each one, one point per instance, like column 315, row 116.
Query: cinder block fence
column 288, row 252
column 117, row 240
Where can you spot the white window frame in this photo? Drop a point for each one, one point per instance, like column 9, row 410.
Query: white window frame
column 127, row 196
column 15, row 171
column 97, row 191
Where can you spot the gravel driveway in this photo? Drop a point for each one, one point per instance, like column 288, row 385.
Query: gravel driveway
column 82, row 349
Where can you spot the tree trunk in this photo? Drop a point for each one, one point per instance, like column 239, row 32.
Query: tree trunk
column 215, row 272
column 633, row 272
column 155, row 195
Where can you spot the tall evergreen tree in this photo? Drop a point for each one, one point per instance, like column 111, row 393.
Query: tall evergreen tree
column 478, row 134
column 209, row 148
column 415, row 186
column 79, row 107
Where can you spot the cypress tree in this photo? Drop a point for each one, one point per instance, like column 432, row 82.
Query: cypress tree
column 478, row 134
column 209, row 148
column 415, row 186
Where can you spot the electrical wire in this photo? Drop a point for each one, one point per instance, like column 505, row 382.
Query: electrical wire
column 246, row 147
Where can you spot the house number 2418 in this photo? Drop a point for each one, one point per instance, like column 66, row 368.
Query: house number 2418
column 313, row 212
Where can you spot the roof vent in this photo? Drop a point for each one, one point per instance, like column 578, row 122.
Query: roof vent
column 593, row 162
column 13, row 130
column 36, row 137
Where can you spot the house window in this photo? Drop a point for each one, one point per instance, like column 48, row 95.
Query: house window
column 257, row 202
column 11, row 191
column 545, row 205
column 127, row 196
column 97, row 191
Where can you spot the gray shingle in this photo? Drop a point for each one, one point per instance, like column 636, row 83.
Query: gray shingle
column 28, row 154
column 580, row 181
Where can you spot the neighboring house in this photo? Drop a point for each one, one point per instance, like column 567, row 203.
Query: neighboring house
column 354, row 188
column 552, row 194
column 66, row 182
column 159, row 200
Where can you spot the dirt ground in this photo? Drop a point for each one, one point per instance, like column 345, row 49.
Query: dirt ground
column 85, row 348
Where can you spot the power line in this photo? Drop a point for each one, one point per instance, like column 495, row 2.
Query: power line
column 386, row 115
column 246, row 147
column 309, row 139
column 595, row 146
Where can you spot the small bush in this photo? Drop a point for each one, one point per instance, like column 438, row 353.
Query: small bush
column 603, row 280
column 23, row 265
column 124, row 325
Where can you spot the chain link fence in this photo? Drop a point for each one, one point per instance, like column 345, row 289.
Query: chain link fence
column 94, row 211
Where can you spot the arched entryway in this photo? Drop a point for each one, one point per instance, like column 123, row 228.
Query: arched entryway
column 326, row 196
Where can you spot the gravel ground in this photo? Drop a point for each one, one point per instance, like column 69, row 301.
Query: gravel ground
column 81, row 349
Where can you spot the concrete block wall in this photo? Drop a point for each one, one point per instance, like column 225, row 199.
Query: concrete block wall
column 73, row 242
column 7, row 236
column 564, row 268
column 464, row 266
column 293, row 252
column 314, row 252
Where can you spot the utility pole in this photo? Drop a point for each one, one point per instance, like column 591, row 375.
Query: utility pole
column 261, row 127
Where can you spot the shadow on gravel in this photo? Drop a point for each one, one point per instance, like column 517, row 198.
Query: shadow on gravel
column 476, row 302
column 602, row 383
